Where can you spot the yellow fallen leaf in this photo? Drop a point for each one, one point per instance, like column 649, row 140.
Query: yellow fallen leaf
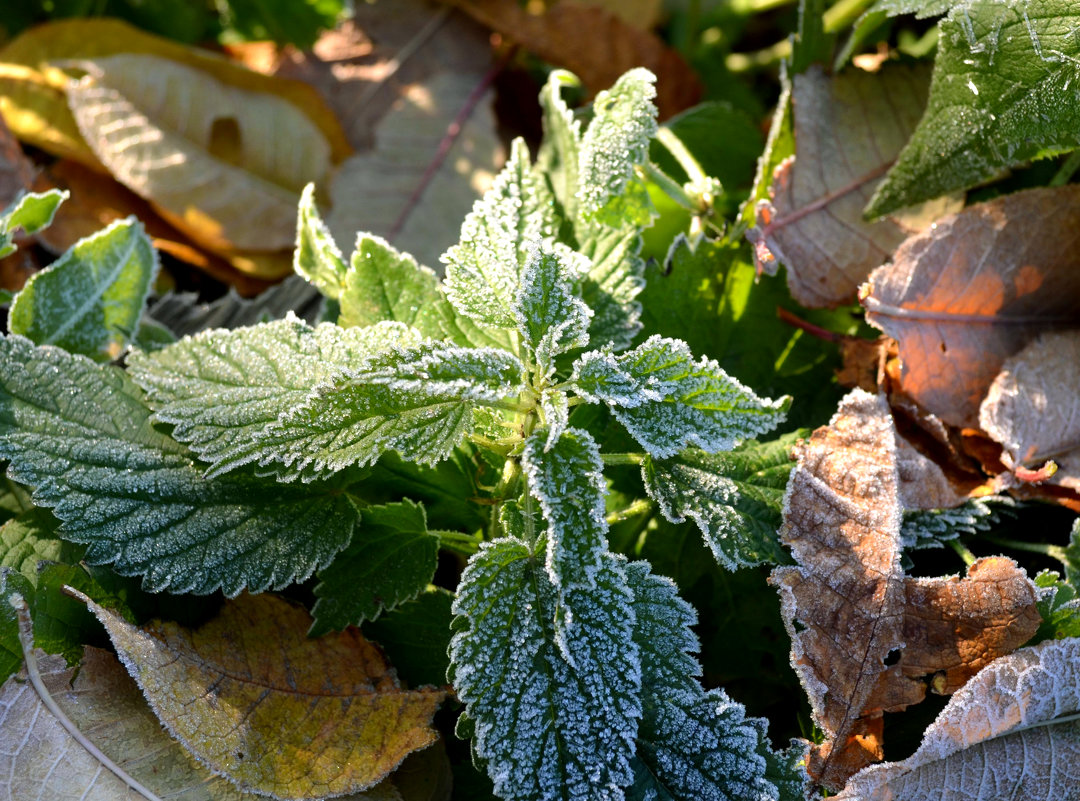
column 274, row 712
column 34, row 106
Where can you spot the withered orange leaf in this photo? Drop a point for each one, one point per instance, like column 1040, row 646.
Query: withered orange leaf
column 856, row 608
column 1032, row 407
column 259, row 703
column 593, row 43
column 848, row 130
column 962, row 297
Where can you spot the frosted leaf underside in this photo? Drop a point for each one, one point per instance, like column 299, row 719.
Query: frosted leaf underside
column 221, row 390
column 547, row 730
column 80, row 435
column 669, row 402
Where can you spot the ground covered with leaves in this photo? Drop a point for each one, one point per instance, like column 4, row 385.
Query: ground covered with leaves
column 549, row 400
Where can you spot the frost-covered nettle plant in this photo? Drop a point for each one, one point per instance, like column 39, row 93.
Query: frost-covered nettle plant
column 253, row 458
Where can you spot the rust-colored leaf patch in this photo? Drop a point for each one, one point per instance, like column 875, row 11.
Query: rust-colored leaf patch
column 274, row 712
column 865, row 636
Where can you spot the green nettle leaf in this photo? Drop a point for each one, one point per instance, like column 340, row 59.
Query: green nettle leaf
column 616, row 141
column 417, row 401
column 735, row 497
column 80, row 435
column 90, row 300
column 691, row 744
column 668, row 402
column 29, row 539
column 483, row 270
column 1001, row 95
column 416, row 637
column 559, row 153
column 555, row 412
column 612, row 286
column 546, row 729
column 31, row 211
column 1059, row 607
column 567, row 478
column 932, row 528
column 317, row 257
column 390, row 560
column 384, row 284
column 551, row 318
column 223, row 389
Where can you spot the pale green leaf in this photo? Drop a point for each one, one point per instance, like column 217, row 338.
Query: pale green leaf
column 317, row 257
column 1002, row 94
column 551, row 318
column 417, row 401
column 29, row 539
column 555, row 413
column 31, row 211
column 735, row 497
column 222, row 389
column 692, row 745
column 566, row 477
column 545, row 729
column 390, row 560
column 920, row 8
column 560, row 151
column 668, row 401
column 483, row 270
column 80, row 435
column 613, row 284
column 616, row 141
column 384, row 284
column 90, row 300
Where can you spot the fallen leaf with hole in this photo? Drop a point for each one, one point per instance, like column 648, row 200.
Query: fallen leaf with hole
column 274, row 712
column 849, row 129
column 850, row 610
column 1012, row 732
column 964, row 296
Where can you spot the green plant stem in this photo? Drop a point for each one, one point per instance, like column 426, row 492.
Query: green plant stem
column 844, row 12
column 1067, row 170
column 671, row 188
column 613, row 459
column 510, row 406
column 686, row 159
column 1046, row 549
column 459, row 541
column 638, row 507
column 963, row 552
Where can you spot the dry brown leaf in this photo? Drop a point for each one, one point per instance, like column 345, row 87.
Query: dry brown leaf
column 858, row 610
column 849, row 129
column 1032, row 407
column 593, row 43
column 16, row 173
column 33, row 102
column 1011, row 733
column 274, row 712
column 43, row 761
column 967, row 294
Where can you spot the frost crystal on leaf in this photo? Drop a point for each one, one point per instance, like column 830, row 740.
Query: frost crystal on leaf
column 612, row 286
column 691, row 744
column 317, row 257
column 550, row 317
column 567, row 479
column 559, row 152
column 223, row 389
column 545, row 729
column 80, row 435
column 417, row 401
column 482, row 272
column 668, row 402
column 615, row 142
column 733, row 497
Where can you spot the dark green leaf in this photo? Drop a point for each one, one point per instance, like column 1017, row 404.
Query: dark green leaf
column 723, row 139
column 390, row 559
column 416, row 637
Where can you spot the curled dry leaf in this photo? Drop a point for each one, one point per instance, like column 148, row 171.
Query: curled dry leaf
column 594, row 43
column 1011, row 732
column 848, row 130
column 272, row 711
column 1032, row 407
column 842, row 516
column 962, row 297
column 43, row 760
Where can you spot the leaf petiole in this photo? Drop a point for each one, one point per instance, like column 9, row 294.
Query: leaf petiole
column 613, row 459
column 1046, row 549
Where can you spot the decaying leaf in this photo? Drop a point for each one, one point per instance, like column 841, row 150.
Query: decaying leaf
column 1031, row 407
column 964, row 296
column 225, row 165
column 858, row 610
column 16, row 172
column 594, row 44
column 848, row 130
column 275, row 713
column 44, row 761
column 1011, row 733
